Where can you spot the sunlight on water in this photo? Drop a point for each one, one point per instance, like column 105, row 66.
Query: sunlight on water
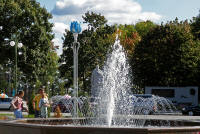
column 115, row 104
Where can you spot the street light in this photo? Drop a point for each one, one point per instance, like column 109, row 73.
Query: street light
column 75, row 29
column 9, row 76
column 48, row 84
column 16, row 44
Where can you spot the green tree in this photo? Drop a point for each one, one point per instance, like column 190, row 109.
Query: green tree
column 29, row 23
column 166, row 56
column 94, row 20
column 94, row 44
column 129, row 37
column 144, row 27
column 195, row 25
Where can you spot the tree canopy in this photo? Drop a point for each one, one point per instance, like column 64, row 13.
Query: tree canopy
column 27, row 22
column 160, row 55
column 195, row 24
column 94, row 44
column 167, row 56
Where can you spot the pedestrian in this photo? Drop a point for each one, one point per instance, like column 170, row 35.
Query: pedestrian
column 36, row 102
column 43, row 105
column 17, row 104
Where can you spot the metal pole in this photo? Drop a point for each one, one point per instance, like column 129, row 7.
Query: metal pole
column 10, row 89
column 77, row 77
column 16, row 43
column 75, row 29
column 74, row 54
column 76, row 46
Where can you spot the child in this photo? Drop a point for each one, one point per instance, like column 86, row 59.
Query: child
column 43, row 104
column 57, row 112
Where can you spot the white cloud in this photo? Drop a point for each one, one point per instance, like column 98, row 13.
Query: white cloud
column 59, row 30
column 58, row 42
column 115, row 11
column 60, row 27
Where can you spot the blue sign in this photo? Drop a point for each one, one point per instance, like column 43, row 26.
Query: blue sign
column 75, row 27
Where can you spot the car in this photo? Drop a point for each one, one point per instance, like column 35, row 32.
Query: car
column 5, row 103
column 144, row 104
column 150, row 104
column 191, row 110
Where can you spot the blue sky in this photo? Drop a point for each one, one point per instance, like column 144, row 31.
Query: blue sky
column 170, row 9
column 183, row 9
column 118, row 11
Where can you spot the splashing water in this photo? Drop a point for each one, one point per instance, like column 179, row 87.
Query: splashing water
column 115, row 104
column 116, row 85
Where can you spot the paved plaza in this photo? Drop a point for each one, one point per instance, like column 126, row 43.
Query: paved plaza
column 159, row 117
column 25, row 113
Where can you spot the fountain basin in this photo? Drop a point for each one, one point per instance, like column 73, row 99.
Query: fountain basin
column 65, row 126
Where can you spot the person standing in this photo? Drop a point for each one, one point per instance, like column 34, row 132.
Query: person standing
column 17, row 104
column 36, row 102
column 43, row 105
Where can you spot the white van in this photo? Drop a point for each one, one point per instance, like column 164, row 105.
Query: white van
column 178, row 95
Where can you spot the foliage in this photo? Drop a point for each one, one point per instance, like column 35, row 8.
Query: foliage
column 94, row 44
column 94, row 20
column 30, row 103
column 28, row 23
column 167, row 56
column 4, row 85
column 144, row 27
column 129, row 37
column 195, row 25
column 62, row 89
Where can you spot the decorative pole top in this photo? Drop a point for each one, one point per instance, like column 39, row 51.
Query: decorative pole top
column 75, row 28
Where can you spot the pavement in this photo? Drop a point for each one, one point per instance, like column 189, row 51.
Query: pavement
column 159, row 117
column 167, row 117
column 25, row 113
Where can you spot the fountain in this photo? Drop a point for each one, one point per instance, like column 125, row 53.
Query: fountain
column 115, row 110
column 115, row 90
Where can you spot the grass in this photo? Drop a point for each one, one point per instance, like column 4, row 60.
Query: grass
column 29, row 116
column 6, row 115
column 3, row 116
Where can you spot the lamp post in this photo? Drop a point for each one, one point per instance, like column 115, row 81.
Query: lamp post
column 48, row 88
column 9, row 77
column 16, row 44
column 75, row 29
